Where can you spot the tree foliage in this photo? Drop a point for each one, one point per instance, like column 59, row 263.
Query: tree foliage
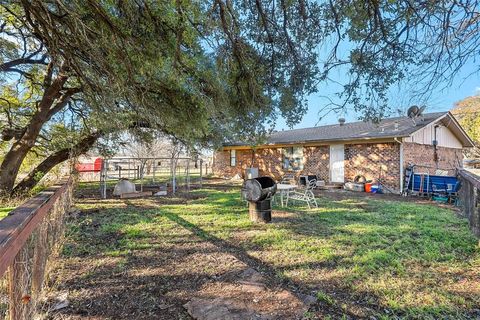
column 467, row 112
column 208, row 71
column 379, row 44
column 202, row 72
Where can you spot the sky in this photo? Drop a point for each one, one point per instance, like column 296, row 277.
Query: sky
column 463, row 85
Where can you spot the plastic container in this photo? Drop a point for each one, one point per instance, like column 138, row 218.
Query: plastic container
column 368, row 187
column 374, row 188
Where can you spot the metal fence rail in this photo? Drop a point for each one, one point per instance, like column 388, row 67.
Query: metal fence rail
column 469, row 195
column 29, row 237
column 175, row 173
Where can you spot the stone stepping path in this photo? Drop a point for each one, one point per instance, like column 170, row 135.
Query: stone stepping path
column 244, row 295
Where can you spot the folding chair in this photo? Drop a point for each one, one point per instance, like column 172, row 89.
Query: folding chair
column 306, row 196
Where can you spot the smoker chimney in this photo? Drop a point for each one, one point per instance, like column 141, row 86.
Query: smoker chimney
column 341, row 121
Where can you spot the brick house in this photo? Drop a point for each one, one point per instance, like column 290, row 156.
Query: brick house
column 337, row 153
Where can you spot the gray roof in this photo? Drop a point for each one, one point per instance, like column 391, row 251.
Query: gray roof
column 387, row 128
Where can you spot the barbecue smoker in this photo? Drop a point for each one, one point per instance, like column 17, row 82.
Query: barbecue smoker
column 258, row 192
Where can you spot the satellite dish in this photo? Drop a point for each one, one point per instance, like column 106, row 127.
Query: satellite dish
column 413, row 112
column 422, row 108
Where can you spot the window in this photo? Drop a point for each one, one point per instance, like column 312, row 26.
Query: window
column 233, row 158
column 293, row 158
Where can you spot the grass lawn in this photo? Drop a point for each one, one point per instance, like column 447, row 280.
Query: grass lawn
column 4, row 211
column 360, row 258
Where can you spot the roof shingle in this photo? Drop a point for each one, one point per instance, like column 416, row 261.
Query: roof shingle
column 387, row 128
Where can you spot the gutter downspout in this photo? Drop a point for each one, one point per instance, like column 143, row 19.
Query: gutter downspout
column 401, row 163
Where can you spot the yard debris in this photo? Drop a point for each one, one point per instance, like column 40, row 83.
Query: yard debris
column 236, row 178
column 123, row 186
column 128, row 195
column 61, row 302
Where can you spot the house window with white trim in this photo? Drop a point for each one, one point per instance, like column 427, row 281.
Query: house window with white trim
column 293, row 158
column 233, row 158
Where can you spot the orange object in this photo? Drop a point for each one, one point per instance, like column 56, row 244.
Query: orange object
column 368, row 187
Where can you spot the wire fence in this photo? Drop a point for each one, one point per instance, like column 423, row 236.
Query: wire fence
column 469, row 195
column 29, row 237
column 169, row 174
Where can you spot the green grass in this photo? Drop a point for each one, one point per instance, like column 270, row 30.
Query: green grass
column 393, row 258
column 4, row 211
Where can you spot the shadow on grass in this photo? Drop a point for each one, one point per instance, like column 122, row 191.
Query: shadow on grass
column 368, row 239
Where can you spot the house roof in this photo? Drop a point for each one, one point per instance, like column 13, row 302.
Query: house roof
column 360, row 130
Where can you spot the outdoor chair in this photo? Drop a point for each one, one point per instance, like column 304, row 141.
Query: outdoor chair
column 306, row 195
column 289, row 178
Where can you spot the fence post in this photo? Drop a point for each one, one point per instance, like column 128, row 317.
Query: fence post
column 153, row 168
column 174, row 173
column 188, row 174
column 28, row 237
column 201, row 168
column 470, row 199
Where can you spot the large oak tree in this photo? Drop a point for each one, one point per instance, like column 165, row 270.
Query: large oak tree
column 211, row 70
column 197, row 70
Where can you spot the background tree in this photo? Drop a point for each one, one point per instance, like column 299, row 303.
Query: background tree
column 200, row 69
column 467, row 112
column 380, row 44
column 217, row 69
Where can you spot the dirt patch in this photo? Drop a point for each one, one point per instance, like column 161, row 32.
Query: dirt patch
column 245, row 295
column 161, row 271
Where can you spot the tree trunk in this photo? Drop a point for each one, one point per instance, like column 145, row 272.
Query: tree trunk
column 46, row 109
column 54, row 159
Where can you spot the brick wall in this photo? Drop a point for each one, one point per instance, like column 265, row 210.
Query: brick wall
column 221, row 163
column 270, row 162
column 423, row 155
column 372, row 161
column 317, row 161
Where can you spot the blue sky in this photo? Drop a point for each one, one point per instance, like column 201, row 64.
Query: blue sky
column 463, row 85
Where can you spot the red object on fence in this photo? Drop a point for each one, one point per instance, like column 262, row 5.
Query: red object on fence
column 96, row 166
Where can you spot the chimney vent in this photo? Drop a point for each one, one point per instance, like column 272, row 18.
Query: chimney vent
column 341, row 121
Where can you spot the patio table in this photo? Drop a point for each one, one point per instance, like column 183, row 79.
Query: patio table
column 285, row 189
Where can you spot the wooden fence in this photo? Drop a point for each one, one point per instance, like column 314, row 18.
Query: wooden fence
column 29, row 236
column 469, row 195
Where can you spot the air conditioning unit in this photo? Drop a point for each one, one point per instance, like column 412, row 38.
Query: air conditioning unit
column 251, row 173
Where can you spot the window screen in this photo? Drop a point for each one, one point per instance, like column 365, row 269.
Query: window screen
column 233, row 158
column 293, row 158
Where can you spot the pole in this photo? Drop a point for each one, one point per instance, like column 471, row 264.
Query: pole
column 153, row 168
column 188, row 174
column 201, row 165
column 173, row 175
column 103, row 180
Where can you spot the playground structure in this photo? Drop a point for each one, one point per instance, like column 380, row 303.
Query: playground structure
column 159, row 174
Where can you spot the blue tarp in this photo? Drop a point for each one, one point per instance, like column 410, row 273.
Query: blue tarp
column 443, row 183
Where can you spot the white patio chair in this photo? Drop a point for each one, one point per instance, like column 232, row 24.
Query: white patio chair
column 305, row 196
